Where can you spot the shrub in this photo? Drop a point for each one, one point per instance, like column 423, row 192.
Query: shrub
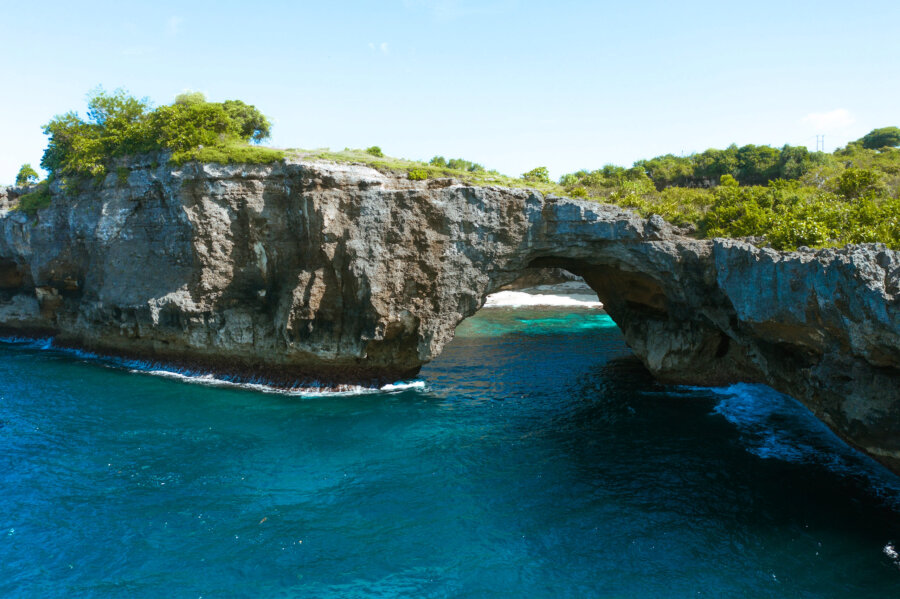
column 30, row 203
column 854, row 182
column 537, row 175
column 418, row 174
column 375, row 151
column 578, row 192
column 229, row 153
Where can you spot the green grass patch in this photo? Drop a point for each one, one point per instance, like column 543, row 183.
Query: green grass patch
column 234, row 153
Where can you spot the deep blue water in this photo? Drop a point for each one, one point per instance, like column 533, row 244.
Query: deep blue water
column 539, row 460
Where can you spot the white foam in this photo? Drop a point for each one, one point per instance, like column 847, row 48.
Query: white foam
column 518, row 299
column 775, row 426
column 212, row 380
column 417, row 385
column 297, row 391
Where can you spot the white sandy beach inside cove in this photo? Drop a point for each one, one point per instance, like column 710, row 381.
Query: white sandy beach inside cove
column 573, row 294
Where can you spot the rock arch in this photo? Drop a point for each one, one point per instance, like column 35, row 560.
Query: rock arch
column 335, row 272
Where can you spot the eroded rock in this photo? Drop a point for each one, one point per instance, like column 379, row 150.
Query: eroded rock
column 339, row 273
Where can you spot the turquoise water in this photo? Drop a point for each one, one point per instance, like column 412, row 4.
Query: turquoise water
column 539, row 460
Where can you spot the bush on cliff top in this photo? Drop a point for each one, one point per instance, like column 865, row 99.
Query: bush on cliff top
column 30, row 203
column 118, row 124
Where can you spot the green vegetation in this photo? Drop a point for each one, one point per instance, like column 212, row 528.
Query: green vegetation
column 750, row 165
column 438, row 167
column 886, row 137
column 457, row 164
column 537, row 175
column 27, row 175
column 119, row 125
column 785, row 198
column 30, row 203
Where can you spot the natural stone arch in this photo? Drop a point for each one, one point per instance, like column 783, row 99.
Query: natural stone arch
column 340, row 273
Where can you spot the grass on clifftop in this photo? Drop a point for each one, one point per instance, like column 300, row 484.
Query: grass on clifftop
column 418, row 171
column 230, row 153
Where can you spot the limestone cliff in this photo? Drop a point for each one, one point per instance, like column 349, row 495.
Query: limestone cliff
column 333, row 272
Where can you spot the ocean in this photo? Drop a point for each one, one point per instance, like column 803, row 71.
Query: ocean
column 535, row 457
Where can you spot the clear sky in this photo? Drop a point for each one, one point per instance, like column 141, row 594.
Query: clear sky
column 512, row 84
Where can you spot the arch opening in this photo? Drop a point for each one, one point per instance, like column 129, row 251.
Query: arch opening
column 545, row 286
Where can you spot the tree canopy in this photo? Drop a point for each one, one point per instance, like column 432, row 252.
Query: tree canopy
column 787, row 197
column 885, row 137
column 118, row 124
column 27, row 175
column 749, row 164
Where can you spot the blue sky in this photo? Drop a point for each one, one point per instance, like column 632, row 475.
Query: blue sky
column 512, row 84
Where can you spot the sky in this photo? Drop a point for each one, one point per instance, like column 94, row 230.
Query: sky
column 511, row 84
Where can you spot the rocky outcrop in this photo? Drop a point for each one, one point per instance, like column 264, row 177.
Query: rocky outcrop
column 332, row 272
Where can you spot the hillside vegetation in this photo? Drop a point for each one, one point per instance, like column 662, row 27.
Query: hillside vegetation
column 787, row 198
column 783, row 197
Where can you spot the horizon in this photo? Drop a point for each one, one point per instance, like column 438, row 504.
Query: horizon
column 509, row 84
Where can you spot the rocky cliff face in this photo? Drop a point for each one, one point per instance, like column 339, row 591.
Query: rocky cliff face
column 329, row 272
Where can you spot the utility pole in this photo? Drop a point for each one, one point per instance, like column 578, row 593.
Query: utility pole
column 822, row 139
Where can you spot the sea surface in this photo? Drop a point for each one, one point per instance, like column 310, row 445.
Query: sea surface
column 534, row 458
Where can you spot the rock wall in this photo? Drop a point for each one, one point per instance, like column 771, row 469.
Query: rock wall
column 338, row 273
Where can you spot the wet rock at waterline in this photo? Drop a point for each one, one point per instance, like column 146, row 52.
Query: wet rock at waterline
column 339, row 273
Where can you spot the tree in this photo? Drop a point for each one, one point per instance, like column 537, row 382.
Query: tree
column 886, row 137
column 757, row 165
column 181, row 127
column 187, row 98
column 120, row 125
column 375, row 151
column 250, row 122
column 27, row 176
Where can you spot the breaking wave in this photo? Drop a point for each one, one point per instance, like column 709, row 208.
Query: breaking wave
column 775, row 426
column 200, row 377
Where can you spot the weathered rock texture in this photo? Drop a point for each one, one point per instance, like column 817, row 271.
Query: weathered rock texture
column 332, row 272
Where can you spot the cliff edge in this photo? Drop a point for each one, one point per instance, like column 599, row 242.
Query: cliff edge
column 305, row 271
